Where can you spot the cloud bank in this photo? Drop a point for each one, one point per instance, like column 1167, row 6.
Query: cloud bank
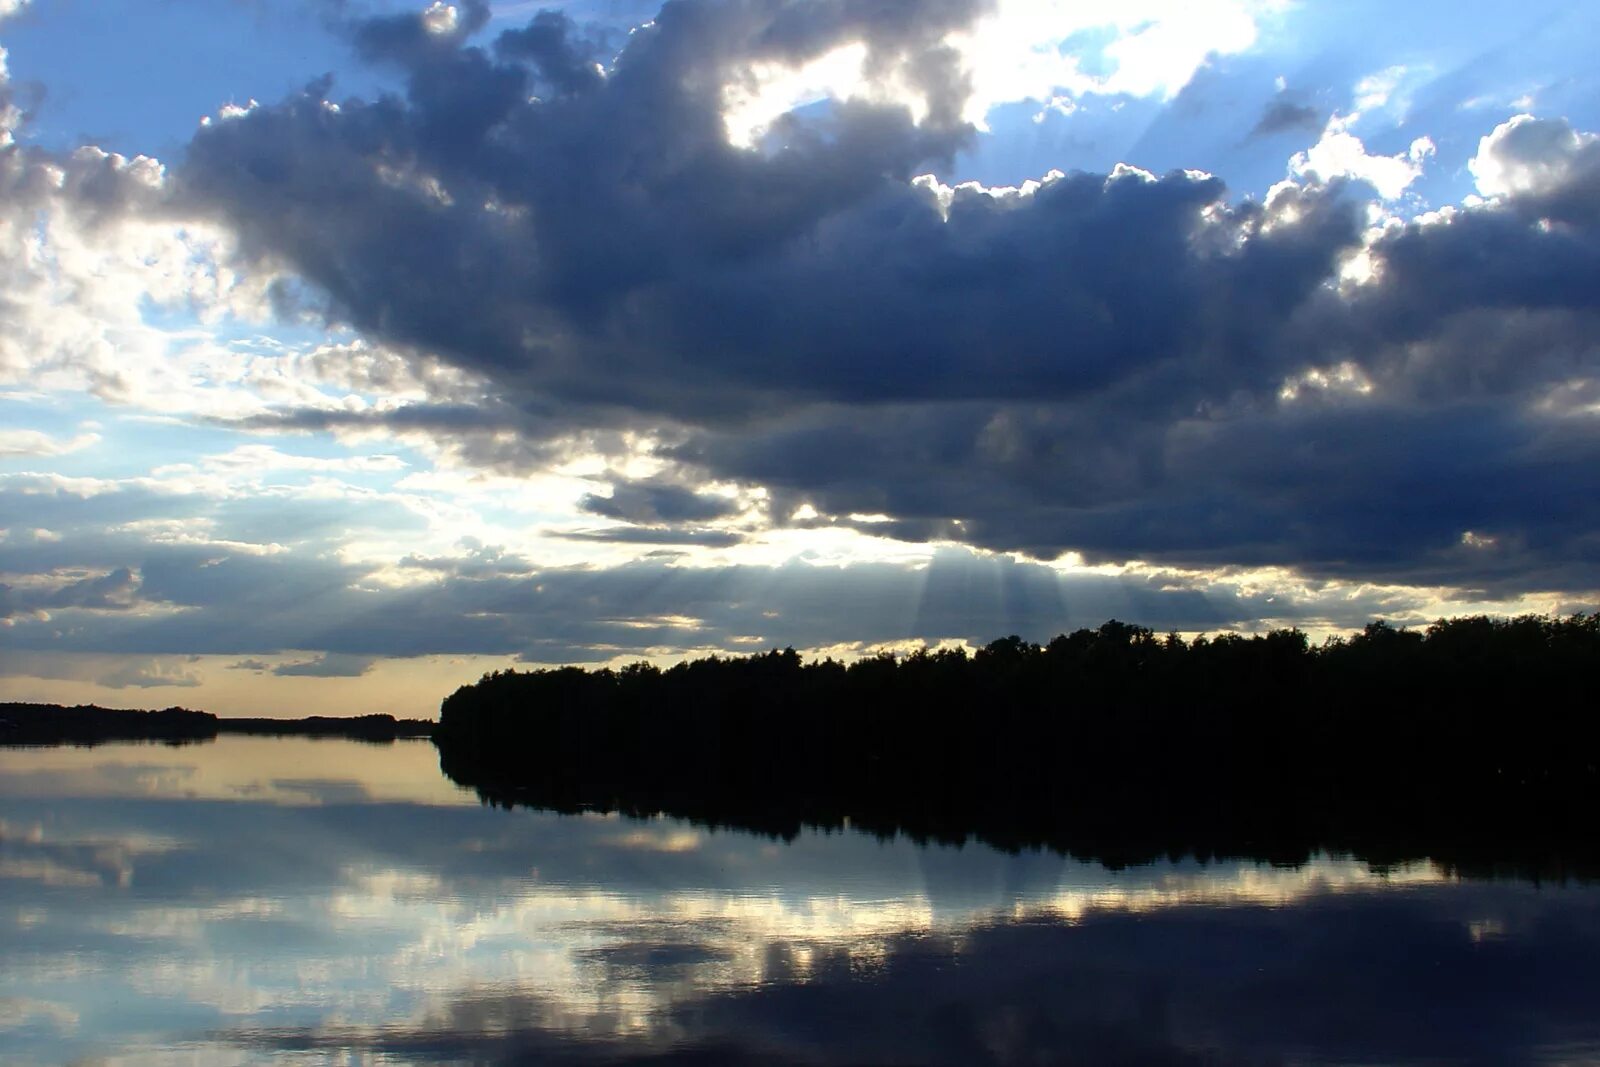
column 1123, row 365
column 553, row 248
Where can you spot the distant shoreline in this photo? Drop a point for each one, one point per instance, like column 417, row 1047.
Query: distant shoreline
column 23, row 724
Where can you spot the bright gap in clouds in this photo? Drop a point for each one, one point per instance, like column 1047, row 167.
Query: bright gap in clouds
column 1047, row 51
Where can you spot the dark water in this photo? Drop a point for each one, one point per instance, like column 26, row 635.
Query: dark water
column 266, row 900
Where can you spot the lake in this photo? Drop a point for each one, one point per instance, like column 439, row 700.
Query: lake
column 257, row 900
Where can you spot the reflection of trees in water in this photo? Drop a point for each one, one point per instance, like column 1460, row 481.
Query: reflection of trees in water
column 1471, row 742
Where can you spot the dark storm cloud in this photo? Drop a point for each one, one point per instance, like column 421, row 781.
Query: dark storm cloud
column 1098, row 366
column 561, row 56
column 629, row 254
column 645, row 502
column 1349, row 490
column 655, row 535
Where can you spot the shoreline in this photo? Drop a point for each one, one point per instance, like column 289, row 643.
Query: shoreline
column 27, row 725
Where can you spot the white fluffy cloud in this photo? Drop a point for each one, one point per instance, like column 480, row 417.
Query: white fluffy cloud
column 87, row 252
column 1341, row 154
column 34, row 443
column 1528, row 156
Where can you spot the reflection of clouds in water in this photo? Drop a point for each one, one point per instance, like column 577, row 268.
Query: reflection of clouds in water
column 253, row 955
column 618, row 963
column 188, row 924
column 450, row 932
column 35, row 853
column 320, row 790
column 399, row 942
column 19, row 1012
column 48, row 872
column 81, row 773
column 290, row 771
column 403, row 945
column 1359, row 976
column 1367, row 976
column 652, row 839
column 1264, row 886
column 229, row 986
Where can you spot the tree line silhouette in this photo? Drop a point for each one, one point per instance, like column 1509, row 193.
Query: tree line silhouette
column 1473, row 741
column 89, row 724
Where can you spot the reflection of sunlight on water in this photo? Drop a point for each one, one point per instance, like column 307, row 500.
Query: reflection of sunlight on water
column 1246, row 885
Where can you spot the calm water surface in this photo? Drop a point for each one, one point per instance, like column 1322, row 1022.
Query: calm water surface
column 286, row 900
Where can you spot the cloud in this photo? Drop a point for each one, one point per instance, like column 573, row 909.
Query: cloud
column 561, row 55
column 903, row 290
column 1099, row 984
column 1286, row 116
column 112, row 591
column 41, row 594
column 486, row 601
column 1341, row 154
column 149, row 674
column 1545, row 165
column 93, row 253
column 635, row 501
column 1053, row 51
column 655, row 535
column 542, row 261
column 35, row 443
column 257, row 458
column 327, row 665
column 1031, row 369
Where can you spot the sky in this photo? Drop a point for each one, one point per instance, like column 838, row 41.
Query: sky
column 351, row 349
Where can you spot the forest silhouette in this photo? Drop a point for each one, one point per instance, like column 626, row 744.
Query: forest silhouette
column 1472, row 742
column 24, row 724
